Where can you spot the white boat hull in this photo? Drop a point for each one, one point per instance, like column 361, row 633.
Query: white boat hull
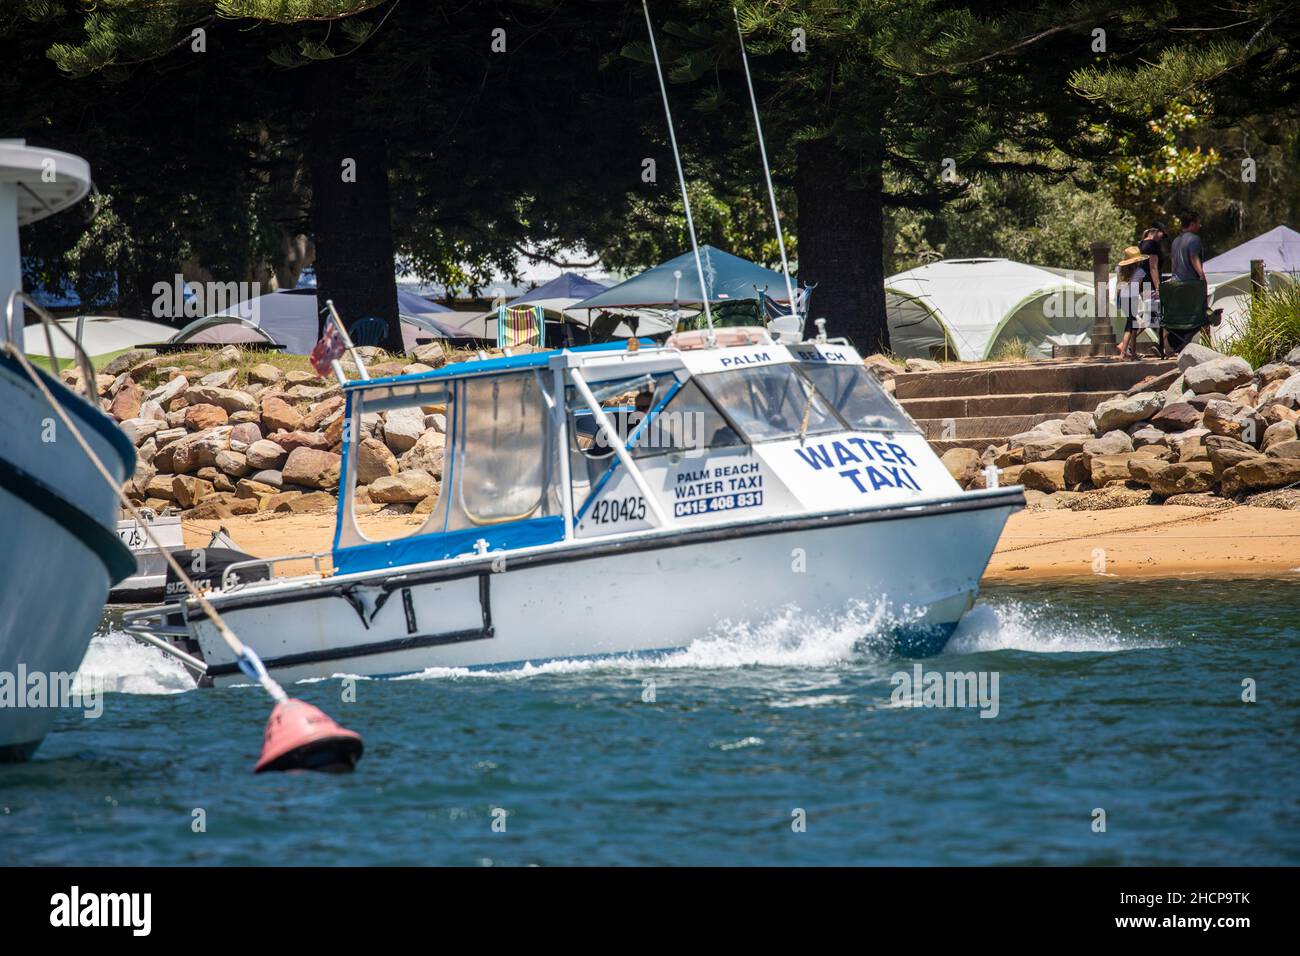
column 61, row 554
column 919, row 567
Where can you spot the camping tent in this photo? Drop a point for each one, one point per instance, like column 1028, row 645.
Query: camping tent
column 555, row 297
column 289, row 317
column 220, row 329
column 102, row 338
column 1279, row 248
column 966, row 308
column 726, row 278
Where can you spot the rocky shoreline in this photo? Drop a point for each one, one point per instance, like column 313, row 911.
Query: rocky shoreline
column 1210, row 433
column 219, row 434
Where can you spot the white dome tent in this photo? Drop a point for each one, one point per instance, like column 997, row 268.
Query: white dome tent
column 965, row 308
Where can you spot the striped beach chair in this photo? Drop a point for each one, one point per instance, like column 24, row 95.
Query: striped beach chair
column 521, row 325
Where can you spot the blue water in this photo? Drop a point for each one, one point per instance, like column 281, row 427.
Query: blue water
column 1112, row 695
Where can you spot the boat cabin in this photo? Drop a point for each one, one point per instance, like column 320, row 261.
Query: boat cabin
column 612, row 440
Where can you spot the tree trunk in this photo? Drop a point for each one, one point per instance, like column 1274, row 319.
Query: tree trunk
column 349, row 207
column 841, row 242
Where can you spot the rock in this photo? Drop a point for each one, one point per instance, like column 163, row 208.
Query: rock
column 1053, row 448
column 1127, row 410
column 165, row 392
column 1176, row 417
column 921, row 365
column 266, row 454
column 279, row 415
column 1218, row 375
column 1234, row 421
column 1078, row 470
column 249, row 488
column 1193, row 451
column 1149, row 435
column 126, row 403
column 253, row 417
column 1288, row 498
column 1184, row 478
column 1282, row 431
column 1245, row 395
column 322, row 412
column 161, row 486
column 1273, row 372
column 374, row 460
column 147, row 450
column 1224, row 457
column 1145, row 470
column 1285, row 449
column 1045, row 476
column 199, row 450
column 265, row 373
column 1289, row 394
column 138, row 429
column 229, row 399
column 426, row 505
column 425, row 454
column 403, row 428
column 1112, row 443
column 312, row 468
column 246, row 433
column 415, row 368
column 300, row 376
column 189, row 491
column 280, row 502
column 218, row 479
column 222, row 379
column 126, row 361
column 301, row 439
column 433, row 355
column 232, row 463
column 312, row 501
column 406, row 487
column 1260, row 474
column 1201, row 500
column 1174, row 393
column 1111, row 469
column 222, row 506
column 1193, row 355
column 268, row 476
column 1009, row 457
column 311, row 393
column 1292, row 358
column 1156, row 383
column 1075, row 423
column 1103, row 499
column 437, row 421
column 202, row 416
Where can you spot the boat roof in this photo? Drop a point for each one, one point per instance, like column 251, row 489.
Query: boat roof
column 504, row 363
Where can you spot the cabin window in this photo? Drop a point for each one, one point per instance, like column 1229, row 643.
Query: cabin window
column 503, row 461
column 771, row 402
column 856, row 394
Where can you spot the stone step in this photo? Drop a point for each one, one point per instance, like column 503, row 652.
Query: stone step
column 991, row 429
column 1100, row 375
column 979, row 444
column 1055, row 404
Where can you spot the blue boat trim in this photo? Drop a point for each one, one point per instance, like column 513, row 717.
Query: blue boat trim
column 108, row 547
column 422, row 548
column 83, row 410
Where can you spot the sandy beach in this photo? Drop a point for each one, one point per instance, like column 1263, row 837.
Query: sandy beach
column 1144, row 541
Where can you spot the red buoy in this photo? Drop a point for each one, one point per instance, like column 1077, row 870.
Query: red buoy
column 302, row 737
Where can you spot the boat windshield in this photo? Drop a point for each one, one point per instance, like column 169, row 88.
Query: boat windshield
column 857, row 396
column 771, row 402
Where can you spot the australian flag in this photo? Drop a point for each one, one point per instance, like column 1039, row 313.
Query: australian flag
column 328, row 350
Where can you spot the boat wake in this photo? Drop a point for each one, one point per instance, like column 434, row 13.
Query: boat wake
column 125, row 666
column 1039, row 629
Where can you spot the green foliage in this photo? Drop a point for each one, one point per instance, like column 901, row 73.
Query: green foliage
column 1272, row 327
column 1011, row 350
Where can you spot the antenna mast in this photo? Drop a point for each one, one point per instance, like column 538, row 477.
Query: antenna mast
column 681, row 176
column 767, row 170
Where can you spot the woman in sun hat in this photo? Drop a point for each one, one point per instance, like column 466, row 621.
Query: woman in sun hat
column 1132, row 297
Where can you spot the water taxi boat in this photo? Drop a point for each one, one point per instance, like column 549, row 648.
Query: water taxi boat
column 612, row 500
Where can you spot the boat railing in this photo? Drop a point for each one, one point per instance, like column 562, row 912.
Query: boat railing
column 230, row 577
column 51, row 325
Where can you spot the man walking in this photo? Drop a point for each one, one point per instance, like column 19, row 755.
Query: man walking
column 1186, row 250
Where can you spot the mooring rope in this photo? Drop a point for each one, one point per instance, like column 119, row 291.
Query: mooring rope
column 247, row 658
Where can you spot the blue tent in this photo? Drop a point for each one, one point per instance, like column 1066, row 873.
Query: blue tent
column 727, row 278
column 1279, row 248
column 567, row 285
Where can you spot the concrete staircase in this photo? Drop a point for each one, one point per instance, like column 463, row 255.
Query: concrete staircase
column 974, row 406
